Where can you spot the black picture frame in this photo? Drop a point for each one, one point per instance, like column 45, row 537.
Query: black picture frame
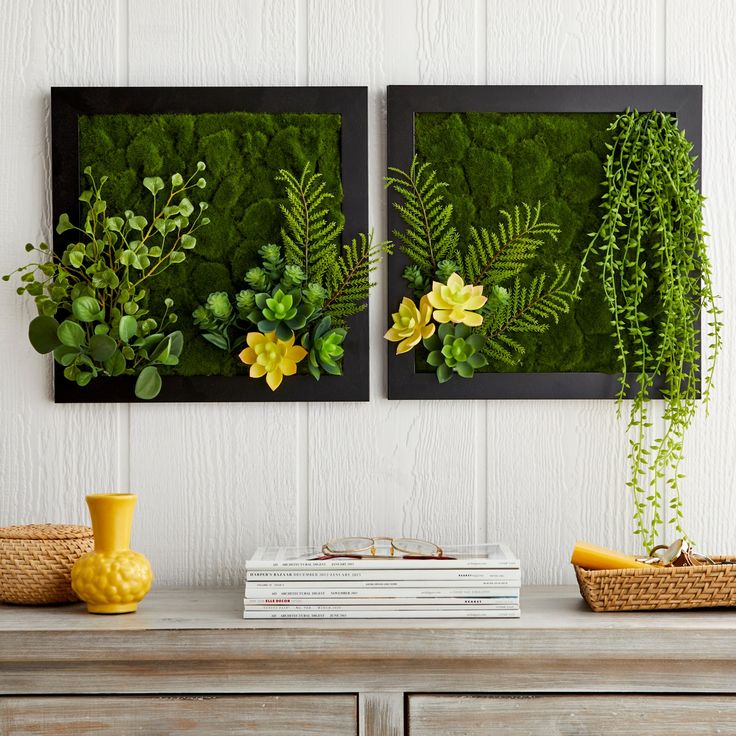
column 69, row 103
column 403, row 103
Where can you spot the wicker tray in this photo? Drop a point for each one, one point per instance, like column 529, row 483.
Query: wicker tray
column 36, row 562
column 658, row 589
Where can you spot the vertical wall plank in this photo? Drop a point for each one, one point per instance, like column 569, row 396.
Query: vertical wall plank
column 50, row 456
column 557, row 470
column 224, row 478
column 700, row 50
column 227, row 42
column 573, row 42
column 390, row 467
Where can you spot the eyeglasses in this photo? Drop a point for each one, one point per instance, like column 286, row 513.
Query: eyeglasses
column 381, row 547
column 678, row 554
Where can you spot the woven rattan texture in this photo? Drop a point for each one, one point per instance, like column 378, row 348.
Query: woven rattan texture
column 36, row 562
column 45, row 531
column 702, row 586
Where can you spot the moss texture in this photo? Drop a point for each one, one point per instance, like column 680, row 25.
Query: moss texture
column 493, row 161
column 243, row 153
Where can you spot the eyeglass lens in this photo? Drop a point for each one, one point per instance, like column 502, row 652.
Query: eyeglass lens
column 349, row 544
column 415, row 547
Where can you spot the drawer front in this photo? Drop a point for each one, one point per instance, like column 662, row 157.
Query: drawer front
column 272, row 715
column 585, row 715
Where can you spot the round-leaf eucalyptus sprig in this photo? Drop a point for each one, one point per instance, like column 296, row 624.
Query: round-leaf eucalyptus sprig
column 92, row 299
column 652, row 241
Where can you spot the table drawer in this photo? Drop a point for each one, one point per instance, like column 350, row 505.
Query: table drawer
column 564, row 715
column 264, row 715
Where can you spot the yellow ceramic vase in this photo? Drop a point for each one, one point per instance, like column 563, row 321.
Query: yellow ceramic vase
column 113, row 578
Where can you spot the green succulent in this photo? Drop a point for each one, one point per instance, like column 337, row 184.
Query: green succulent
column 292, row 277
column 203, row 318
column 216, row 318
column 296, row 285
column 257, row 279
column 280, row 312
column 416, row 280
column 270, row 253
column 215, row 329
column 245, row 300
column 218, row 303
column 282, row 308
column 455, row 349
column 445, row 269
column 325, row 348
column 273, row 265
column 314, row 295
column 498, row 297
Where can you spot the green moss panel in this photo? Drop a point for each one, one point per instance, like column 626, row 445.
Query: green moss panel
column 243, row 152
column 493, row 161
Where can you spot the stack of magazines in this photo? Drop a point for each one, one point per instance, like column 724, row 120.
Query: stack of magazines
column 301, row 583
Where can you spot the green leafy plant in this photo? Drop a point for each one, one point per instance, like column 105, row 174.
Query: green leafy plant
column 525, row 308
column 454, row 349
column 92, row 300
column 485, row 262
column 324, row 346
column 429, row 236
column 281, row 313
column 305, row 290
column 653, row 263
column 276, row 300
column 310, row 238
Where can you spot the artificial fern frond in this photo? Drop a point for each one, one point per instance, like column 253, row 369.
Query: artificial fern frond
column 528, row 309
column 310, row 237
column 349, row 282
column 493, row 257
column 504, row 348
column 429, row 237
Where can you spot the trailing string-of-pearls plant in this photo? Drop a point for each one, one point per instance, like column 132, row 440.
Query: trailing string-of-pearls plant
column 657, row 277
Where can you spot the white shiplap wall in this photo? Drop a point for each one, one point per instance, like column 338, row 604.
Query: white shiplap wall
column 217, row 480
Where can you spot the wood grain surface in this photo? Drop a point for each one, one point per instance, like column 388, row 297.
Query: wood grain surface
column 193, row 640
column 174, row 716
column 217, row 481
column 381, row 714
column 570, row 716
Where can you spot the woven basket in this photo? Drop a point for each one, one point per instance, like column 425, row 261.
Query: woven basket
column 36, row 562
column 658, row 589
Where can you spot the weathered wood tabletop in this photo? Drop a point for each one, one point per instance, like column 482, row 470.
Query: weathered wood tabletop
column 195, row 640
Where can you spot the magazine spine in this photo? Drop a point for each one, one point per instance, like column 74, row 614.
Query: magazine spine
column 350, row 594
column 383, row 564
column 347, row 614
column 511, row 576
column 376, row 588
column 372, row 603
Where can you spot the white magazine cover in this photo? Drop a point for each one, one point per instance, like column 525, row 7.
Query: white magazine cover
column 491, row 556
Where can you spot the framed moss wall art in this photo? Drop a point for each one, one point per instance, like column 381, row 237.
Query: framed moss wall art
column 261, row 195
column 502, row 188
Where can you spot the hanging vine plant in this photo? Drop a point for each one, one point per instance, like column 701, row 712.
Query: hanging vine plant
column 652, row 259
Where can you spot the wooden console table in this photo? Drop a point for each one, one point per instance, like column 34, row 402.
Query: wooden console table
column 188, row 663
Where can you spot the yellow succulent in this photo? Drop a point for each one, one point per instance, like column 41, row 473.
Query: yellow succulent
column 268, row 356
column 411, row 324
column 456, row 301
